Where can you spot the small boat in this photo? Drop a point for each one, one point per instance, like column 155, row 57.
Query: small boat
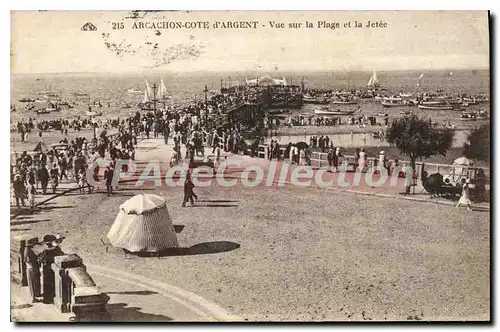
column 314, row 100
column 470, row 101
column 382, row 114
column 134, row 90
column 433, row 102
column 405, row 95
column 26, row 100
column 328, row 112
column 344, row 102
column 43, row 111
column 52, row 108
column 78, row 94
column 436, row 107
column 387, row 103
column 468, row 116
column 126, row 106
column 405, row 112
column 306, row 115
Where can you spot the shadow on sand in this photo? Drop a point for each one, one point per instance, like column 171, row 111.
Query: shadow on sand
column 212, row 205
column 198, row 249
column 134, row 292
column 25, row 222
column 119, row 312
column 178, row 228
column 217, row 201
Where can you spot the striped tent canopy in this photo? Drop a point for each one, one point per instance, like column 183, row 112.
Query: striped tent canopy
column 143, row 224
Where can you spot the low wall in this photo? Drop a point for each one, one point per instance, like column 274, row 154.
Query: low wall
column 65, row 281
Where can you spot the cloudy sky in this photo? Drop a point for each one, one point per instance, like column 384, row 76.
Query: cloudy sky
column 43, row 42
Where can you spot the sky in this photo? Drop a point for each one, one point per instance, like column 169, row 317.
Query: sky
column 52, row 42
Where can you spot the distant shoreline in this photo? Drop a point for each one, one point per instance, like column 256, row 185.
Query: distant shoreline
column 277, row 73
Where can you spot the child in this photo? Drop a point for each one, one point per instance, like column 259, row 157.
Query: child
column 81, row 180
column 464, row 199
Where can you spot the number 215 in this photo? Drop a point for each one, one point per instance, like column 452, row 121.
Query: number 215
column 117, row 25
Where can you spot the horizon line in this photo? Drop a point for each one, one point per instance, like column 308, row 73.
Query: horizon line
column 246, row 71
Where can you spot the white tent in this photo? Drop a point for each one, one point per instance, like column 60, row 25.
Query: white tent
column 143, row 225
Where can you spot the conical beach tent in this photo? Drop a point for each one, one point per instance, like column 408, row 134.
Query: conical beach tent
column 143, row 225
column 41, row 147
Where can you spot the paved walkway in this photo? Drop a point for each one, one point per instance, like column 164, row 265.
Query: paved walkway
column 136, row 298
column 132, row 298
column 155, row 149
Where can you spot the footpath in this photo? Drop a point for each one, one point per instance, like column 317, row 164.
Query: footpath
column 136, row 298
column 156, row 150
column 132, row 298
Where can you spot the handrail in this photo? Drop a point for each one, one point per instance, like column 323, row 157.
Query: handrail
column 370, row 159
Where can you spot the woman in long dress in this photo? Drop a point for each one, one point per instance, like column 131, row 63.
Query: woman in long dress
column 302, row 157
column 465, row 198
column 361, row 160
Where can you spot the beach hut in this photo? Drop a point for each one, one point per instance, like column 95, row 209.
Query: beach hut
column 143, row 225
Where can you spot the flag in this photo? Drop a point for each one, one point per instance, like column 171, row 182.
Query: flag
column 276, row 67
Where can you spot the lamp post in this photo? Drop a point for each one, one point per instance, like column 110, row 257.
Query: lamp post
column 91, row 115
column 206, row 103
column 154, row 98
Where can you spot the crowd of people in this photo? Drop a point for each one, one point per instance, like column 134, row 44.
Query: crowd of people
column 191, row 127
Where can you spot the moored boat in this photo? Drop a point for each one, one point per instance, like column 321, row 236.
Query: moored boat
column 328, row 112
column 306, row 115
column 436, row 107
column 393, row 103
column 26, row 100
column 314, row 100
column 468, row 116
column 345, row 102
column 134, row 90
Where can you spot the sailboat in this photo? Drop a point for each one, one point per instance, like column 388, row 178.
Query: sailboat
column 162, row 93
column 214, row 91
column 146, row 102
column 419, row 78
column 373, row 82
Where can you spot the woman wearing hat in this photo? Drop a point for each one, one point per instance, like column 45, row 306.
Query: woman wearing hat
column 382, row 160
column 362, row 160
column 465, row 198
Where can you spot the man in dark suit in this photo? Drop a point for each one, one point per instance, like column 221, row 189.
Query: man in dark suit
column 108, row 175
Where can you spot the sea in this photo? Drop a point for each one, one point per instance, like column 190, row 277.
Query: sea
column 112, row 90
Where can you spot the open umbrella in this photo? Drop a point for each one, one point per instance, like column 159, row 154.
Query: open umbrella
column 463, row 161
